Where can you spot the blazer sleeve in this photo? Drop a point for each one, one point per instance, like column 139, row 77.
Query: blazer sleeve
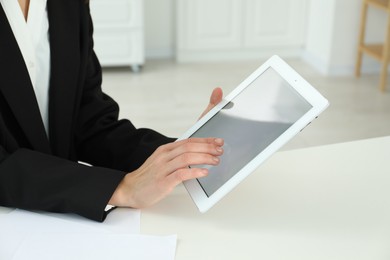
column 101, row 138
column 37, row 181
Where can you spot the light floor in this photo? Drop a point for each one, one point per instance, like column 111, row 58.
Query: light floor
column 169, row 97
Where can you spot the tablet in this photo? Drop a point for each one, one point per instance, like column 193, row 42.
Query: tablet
column 256, row 119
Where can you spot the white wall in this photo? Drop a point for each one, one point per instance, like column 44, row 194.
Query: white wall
column 332, row 37
column 159, row 28
column 319, row 32
column 345, row 37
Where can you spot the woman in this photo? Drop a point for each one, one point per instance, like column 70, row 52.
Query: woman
column 53, row 113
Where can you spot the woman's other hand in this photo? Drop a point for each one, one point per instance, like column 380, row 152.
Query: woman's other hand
column 215, row 98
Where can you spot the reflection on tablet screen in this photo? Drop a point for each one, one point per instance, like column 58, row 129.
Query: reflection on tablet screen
column 249, row 123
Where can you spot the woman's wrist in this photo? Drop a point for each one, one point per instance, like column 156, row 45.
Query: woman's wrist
column 121, row 196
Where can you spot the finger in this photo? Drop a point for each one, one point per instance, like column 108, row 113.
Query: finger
column 181, row 154
column 166, row 150
column 209, row 140
column 211, row 146
column 185, row 174
column 188, row 159
column 216, row 96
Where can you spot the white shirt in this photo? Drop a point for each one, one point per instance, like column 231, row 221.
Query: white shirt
column 32, row 37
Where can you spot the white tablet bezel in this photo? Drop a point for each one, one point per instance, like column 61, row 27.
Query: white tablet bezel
column 312, row 96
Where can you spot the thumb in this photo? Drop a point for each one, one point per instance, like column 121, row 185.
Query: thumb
column 216, row 96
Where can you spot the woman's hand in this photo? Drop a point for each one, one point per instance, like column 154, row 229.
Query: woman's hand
column 165, row 169
column 215, row 98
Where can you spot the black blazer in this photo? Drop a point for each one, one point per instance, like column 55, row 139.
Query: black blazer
column 36, row 173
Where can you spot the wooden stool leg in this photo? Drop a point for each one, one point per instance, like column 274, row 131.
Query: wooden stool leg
column 362, row 33
column 385, row 56
column 383, row 76
column 383, row 80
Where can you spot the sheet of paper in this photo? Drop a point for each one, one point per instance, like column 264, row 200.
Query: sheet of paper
column 96, row 246
column 120, row 220
column 19, row 226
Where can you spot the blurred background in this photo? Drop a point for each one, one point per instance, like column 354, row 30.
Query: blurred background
column 162, row 59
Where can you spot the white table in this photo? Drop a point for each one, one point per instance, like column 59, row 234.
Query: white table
column 328, row 202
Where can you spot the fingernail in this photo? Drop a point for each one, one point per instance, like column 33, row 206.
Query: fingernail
column 216, row 159
column 205, row 172
column 218, row 140
column 219, row 149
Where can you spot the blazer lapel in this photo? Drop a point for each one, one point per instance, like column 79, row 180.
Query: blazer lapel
column 64, row 33
column 16, row 86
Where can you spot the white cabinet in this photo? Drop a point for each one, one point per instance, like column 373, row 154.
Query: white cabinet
column 209, row 24
column 236, row 29
column 119, row 32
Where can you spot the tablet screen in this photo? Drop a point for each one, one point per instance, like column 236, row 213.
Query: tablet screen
column 249, row 123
